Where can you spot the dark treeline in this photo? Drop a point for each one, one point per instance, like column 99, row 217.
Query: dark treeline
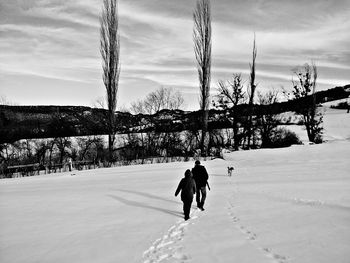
column 29, row 122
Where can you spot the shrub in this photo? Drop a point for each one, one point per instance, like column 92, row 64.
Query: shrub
column 283, row 137
column 341, row 105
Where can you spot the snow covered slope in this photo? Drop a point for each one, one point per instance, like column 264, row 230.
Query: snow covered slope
column 280, row 205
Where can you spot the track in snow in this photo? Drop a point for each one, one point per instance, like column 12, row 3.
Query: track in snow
column 168, row 248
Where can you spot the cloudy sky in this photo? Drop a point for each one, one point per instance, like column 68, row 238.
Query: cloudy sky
column 49, row 49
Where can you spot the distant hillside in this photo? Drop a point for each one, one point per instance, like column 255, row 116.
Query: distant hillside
column 27, row 122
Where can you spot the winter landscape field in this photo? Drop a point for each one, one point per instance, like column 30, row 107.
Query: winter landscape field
column 280, row 205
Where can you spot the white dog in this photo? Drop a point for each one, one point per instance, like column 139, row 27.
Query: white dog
column 229, row 170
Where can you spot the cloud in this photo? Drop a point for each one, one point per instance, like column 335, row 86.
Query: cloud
column 59, row 40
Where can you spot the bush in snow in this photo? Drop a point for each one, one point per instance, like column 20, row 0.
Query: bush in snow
column 283, row 137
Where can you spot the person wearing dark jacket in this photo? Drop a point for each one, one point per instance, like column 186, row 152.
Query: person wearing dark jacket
column 200, row 176
column 187, row 186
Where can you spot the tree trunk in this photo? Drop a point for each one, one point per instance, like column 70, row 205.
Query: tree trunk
column 111, row 139
column 205, row 134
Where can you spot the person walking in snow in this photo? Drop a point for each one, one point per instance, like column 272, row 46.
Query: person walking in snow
column 200, row 176
column 187, row 186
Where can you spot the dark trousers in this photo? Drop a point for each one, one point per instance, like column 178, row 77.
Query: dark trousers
column 201, row 194
column 187, row 208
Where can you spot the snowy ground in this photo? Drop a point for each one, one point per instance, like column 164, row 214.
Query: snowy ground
column 280, row 205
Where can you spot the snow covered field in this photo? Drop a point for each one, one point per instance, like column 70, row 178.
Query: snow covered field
column 280, row 205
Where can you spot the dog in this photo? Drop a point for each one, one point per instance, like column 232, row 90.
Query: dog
column 229, row 170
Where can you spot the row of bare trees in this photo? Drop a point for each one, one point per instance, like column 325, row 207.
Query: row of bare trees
column 49, row 153
column 246, row 132
column 260, row 129
column 231, row 93
column 264, row 122
column 110, row 52
column 152, row 144
column 250, row 130
column 162, row 98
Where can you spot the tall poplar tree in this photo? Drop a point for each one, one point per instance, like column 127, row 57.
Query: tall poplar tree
column 109, row 48
column 202, row 48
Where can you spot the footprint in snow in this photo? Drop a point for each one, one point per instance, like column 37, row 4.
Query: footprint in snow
column 168, row 247
column 253, row 237
column 277, row 257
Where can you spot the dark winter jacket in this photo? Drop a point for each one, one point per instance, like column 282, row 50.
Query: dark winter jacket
column 187, row 186
column 200, row 175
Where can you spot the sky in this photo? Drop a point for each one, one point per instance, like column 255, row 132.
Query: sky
column 49, row 49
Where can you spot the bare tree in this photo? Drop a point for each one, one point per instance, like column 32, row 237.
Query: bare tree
column 252, row 84
column 162, row 98
column 87, row 146
column 267, row 121
column 137, row 107
column 202, row 48
column 40, row 148
column 63, row 144
column 305, row 88
column 230, row 95
column 109, row 48
column 99, row 103
column 251, row 90
column 5, row 101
